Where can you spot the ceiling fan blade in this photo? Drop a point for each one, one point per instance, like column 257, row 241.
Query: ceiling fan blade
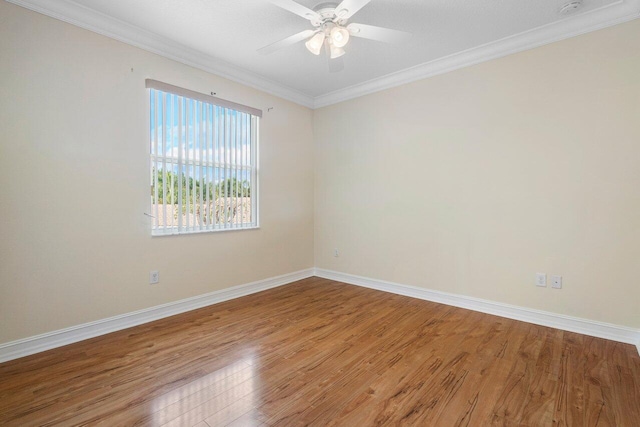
column 378, row 33
column 336, row 65
column 298, row 9
column 348, row 8
column 286, row 42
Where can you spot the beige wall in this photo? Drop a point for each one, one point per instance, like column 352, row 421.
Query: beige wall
column 75, row 245
column 469, row 182
column 473, row 181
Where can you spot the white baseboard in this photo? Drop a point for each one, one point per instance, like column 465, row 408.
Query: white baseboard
column 24, row 347
column 31, row 345
column 544, row 318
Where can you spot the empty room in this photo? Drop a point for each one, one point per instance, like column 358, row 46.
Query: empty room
column 300, row 212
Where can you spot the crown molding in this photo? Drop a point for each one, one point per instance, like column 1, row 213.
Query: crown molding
column 97, row 22
column 81, row 16
column 606, row 16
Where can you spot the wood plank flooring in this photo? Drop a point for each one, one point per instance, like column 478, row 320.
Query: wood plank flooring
column 319, row 352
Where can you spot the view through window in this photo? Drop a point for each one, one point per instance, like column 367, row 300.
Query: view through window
column 203, row 164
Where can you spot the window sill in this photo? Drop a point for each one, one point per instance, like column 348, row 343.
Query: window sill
column 165, row 233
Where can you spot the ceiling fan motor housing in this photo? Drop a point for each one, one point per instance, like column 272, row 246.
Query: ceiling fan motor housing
column 328, row 13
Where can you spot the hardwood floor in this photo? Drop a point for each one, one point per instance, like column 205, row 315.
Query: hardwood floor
column 318, row 352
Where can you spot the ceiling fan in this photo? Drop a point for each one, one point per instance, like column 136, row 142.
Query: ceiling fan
column 331, row 29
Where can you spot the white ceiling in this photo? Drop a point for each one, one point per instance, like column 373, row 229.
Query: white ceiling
column 227, row 34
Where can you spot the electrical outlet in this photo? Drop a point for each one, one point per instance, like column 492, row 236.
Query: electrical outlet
column 541, row 280
column 556, row 282
column 336, row 253
column 154, row 277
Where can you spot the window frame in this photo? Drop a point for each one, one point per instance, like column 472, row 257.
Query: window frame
column 254, row 116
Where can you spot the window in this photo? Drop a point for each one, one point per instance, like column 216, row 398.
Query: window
column 203, row 162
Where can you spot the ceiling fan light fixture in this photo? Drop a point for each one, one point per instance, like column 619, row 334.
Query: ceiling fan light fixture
column 335, row 51
column 314, row 44
column 339, row 36
column 331, row 29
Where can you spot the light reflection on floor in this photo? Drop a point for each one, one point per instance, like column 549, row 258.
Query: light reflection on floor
column 227, row 389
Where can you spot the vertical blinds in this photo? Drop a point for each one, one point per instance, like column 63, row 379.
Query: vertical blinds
column 203, row 162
